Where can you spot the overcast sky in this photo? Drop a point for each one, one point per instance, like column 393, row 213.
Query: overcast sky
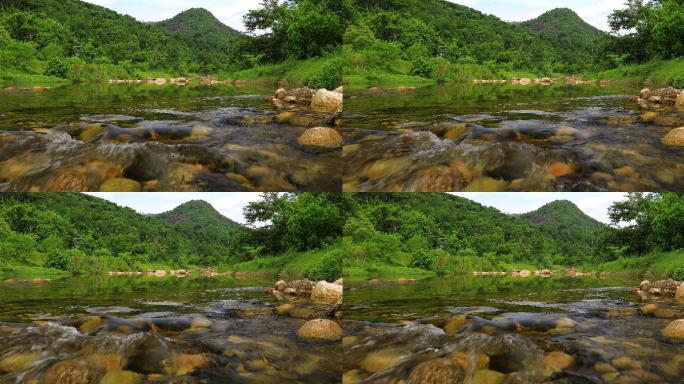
column 230, row 12
column 230, row 204
column 594, row 204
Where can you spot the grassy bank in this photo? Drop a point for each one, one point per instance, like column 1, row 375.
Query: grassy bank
column 656, row 73
column 656, row 264
column 320, row 264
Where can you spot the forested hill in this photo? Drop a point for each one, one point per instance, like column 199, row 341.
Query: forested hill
column 58, row 229
column 456, row 32
column 574, row 38
column 199, row 221
column 464, row 228
column 564, row 220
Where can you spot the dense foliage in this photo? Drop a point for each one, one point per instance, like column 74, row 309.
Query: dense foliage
column 83, row 234
column 78, row 41
column 443, row 233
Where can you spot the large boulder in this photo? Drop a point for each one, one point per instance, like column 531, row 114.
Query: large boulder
column 320, row 138
column 675, row 137
column 320, row 329
column 328, row 101
column 324, row 291
column 674, row 330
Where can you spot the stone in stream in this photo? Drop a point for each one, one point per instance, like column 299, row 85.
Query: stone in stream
column 648, row 309
column 437, row 371
column 120, row 185
column 321, row 330
column 121, row 377
column 455, row 324
column 18, row 361
column 557, row 361
column 284, row 309
column 182, row 364
column 675, row 137
column 381, row 359
column 674, row 330
column 327, row 292
column 324, row 100
column 436, row 179
column 320, row 138
column 68, row 372
column 487, row 376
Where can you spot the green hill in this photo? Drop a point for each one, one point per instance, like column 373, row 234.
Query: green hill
column 447, row 232
column 564, row 220
column 210, row 41
column 576, row 40
column 203, row 225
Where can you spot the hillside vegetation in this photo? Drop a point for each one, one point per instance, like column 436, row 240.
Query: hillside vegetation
column 47, row 40
column 414, row 235
column 77, row 233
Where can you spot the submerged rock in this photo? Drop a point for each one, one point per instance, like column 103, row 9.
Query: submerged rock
column 320, row 329
column 18, row 361
column 381, row 359
column 674, row 330
column 437, row 371
column 320, row 138
column 675, row 137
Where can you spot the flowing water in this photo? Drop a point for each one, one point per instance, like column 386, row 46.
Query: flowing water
column 509, row 137
column 508, row 329
column 180, row 330
column 164, row 138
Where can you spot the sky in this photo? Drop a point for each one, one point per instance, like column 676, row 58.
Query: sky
column 230, row 12
column 594, row 204
column 230, row 204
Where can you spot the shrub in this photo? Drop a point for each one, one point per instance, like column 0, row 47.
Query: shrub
column 423, row 67
column 424, row 260
column 330, row 268
column 329, row 77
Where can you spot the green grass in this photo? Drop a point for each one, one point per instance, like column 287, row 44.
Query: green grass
column 291, row 265
column 28, row 81
column 291, row 72
column 655, row 73
column 25, row 272
column 658, row 264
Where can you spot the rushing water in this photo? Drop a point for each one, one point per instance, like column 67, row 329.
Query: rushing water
column 509, row 137
column 180, row 330
column 165, row 138
column 525, row 330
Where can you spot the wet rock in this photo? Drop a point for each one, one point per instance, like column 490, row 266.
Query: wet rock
column 93, row 323
column 120, row 185
column 302, row 313
column 328, row 292
column 69, row 372
column 456, row 131
column 666, row 313
column 325, row 100
column 320, row 329
column 348, row 341
column 625, row 363
column 557, row 361
column 486, row 184
column 469, row 361
column 675, row 137
column 320, row 138
column 437, row 371
column 674, row 330
column 197, row 133
column 183, row 364
column 455, row 324
column 92, row 132
column 486, row 376
column 602, row 367
column 382, row 168
column 284, row 117
column 436, row 179
column 381, row 359
column 280, row 285
column 645, row 94
column 648, row 309
column 121, row 377
column 284, row 309
column 559, row 169
column 667, row 121
column 280, row 93
column 352, row 377
column 17, row 361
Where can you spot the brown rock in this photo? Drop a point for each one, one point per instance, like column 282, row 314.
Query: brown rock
column 675, row 137
column 183, row 364
column 559, row 169
column 321, row 137
column 320, row 329
column 435, row 179
column 69, row 372
column 17, row 361
column 557, row 361
column 325, row 100
column 437, row 371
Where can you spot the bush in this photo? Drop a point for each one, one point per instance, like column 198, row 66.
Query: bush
column 424, row 260
column 59, row 260
column 678, row 273
column 423, row 67
column 329, row 77
column 678, row 82
column 329, row 269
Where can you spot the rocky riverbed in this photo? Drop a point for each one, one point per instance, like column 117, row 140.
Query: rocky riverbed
column 201, row 141
column 510, row 138
column 211, row 331
column 504, row 330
